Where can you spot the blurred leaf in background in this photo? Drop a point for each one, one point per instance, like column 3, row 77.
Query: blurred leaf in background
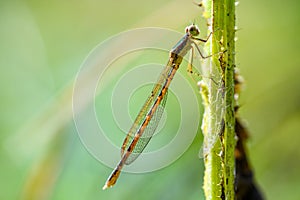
column 42, row 45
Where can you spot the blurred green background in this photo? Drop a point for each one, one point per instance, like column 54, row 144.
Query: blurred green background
column 43, row 44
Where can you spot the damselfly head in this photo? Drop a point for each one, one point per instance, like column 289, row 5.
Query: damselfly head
column 192, row 29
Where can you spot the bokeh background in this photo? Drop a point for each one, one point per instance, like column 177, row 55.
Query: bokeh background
column 43, row 44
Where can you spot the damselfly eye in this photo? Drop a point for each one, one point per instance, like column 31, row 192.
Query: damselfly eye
column 193, row 30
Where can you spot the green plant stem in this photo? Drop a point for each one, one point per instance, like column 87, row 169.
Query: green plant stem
column 218, row 96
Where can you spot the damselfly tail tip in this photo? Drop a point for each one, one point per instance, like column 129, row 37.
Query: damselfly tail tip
column 105, row 186
column 112, row 179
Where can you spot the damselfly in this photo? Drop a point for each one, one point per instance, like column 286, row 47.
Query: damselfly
column 148, row 118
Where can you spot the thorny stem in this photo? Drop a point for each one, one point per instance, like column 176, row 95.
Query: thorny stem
column 219, row 120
